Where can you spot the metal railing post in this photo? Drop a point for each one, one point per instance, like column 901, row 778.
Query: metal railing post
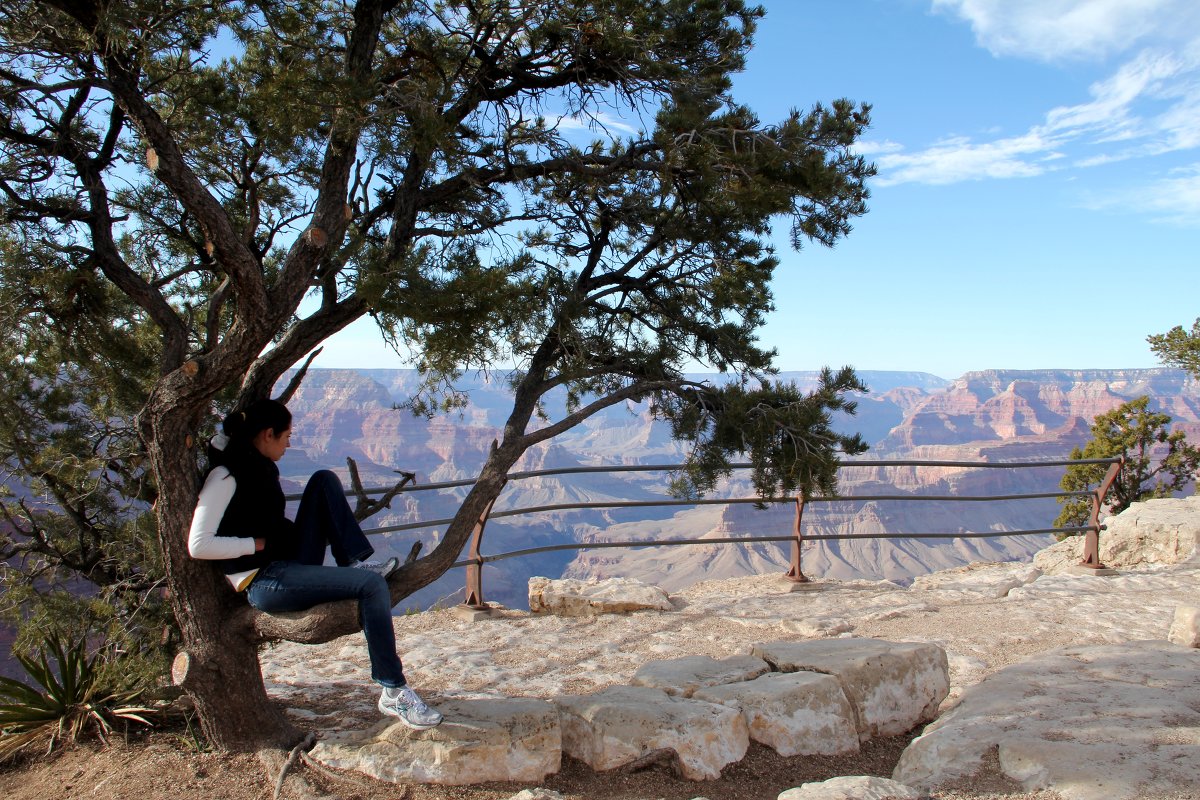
column 795, row 574
column 474, row 588
column 1091, row 540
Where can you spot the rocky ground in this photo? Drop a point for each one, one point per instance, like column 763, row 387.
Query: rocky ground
column 986, row 617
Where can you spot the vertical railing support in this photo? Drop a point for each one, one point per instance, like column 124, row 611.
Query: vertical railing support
column 795, row 574
column 1091, row 540
column 474, row 589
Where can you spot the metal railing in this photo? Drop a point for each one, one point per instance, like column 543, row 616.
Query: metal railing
column 475, row 559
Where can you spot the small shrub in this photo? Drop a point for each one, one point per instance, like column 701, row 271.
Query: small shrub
column 67, row 702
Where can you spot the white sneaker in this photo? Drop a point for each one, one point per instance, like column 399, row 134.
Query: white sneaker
column 411, row 709
column 384, row 568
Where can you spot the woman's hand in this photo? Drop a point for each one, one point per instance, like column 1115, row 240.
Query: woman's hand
column 259, row 544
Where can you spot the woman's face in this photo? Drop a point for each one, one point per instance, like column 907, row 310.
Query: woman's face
column 273, row 445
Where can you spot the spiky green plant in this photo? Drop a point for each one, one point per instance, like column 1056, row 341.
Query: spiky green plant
column 62, row 703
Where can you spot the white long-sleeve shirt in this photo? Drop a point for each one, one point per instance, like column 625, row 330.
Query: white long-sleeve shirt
column 203, row 541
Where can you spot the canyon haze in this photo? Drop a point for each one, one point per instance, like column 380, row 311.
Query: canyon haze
column 993, row 416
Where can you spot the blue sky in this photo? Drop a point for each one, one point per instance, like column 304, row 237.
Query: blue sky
column 1038, row 197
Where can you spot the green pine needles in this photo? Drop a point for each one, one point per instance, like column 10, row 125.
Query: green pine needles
column 786, row 433
column 1159, row 462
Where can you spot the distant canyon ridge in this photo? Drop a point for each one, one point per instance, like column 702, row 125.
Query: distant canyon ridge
column 993, row 416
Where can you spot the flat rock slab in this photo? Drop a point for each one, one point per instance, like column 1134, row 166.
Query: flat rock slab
column 1105, row 722
column 683, row 676
column 989, row 580
column 615, row 727
column 513, row 739
column 854, row 788
column 801, row 713
column 893, row 686
column 575, row 598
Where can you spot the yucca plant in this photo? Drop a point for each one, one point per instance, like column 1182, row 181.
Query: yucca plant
column 70, row 702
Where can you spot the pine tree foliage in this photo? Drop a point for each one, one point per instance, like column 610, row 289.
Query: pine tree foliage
column 564, row 185
column 1179, row 348
column 788, row 434
column 76, row 533
column 1159, row 462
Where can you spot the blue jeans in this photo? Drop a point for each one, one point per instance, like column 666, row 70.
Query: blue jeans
column 324, row 519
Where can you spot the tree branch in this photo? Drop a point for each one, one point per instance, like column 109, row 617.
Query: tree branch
column 171, row 168
column 365, row 507
column 298, row 378
column 301, row 338
column 635, row 391
column 329, row 212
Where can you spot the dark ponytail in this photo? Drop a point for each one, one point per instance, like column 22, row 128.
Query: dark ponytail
column 234, row 449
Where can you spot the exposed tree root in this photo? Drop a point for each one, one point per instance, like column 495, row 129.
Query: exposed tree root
column 277, row 767
column 307, row 744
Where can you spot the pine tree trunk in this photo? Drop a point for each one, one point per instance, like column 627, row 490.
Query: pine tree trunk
column 219, row 666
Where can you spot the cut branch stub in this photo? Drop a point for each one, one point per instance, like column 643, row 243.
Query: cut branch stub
column 184, row 668
column 316, row 237
column 152, row 159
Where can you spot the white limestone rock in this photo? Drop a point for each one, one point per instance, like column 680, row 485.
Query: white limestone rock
column 1060, row 557
column 502, row 739
column 614, row 727
column 574, row 598
column 817, row 627
column 893, row 686
column 683, row 676
column 800, row 713
column 537, row 793
column 1153, row 532
column 989, row 580
column 858, row 787
column 1185, row 627
column 1108, row 722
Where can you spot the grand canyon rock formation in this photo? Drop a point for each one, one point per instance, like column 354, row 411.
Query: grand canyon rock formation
column 990, row 416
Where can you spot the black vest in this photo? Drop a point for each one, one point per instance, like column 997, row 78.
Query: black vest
column 256, row 510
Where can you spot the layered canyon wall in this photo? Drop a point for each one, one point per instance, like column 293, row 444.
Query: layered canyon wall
column 992, row 416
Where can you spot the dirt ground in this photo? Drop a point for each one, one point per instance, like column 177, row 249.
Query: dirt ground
column 167, row 765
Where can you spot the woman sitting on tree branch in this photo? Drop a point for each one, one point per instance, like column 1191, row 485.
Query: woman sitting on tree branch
column 239, row 524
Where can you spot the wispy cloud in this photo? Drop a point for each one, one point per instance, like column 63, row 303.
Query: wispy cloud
column 1149, row 104
column 1110, row 112
column 960, row 159
column 1052, row 30
column 1174, row 200
column 870, row 147
column 598, row 123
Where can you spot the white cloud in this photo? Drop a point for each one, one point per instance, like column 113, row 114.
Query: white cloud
column 869, row 147
column 1179, row 125
column 1148, row 106
column 1050, row 30
column 1174, row 200
column 1148, row 74
column 959, row 159
column 596, row 123
column 1100, row 160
